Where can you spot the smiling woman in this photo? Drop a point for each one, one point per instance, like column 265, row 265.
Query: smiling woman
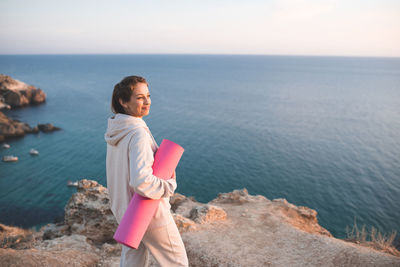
column 130, row 156
column 131, row 96
column 139, row 103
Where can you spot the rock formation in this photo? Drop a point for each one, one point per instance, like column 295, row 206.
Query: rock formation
column 13, row 128
column 48, row 127
column 88, row 213
column 10, row 128
column 14, row 93
column 235, row 229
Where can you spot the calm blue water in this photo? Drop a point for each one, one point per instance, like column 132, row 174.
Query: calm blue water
column 323, row 132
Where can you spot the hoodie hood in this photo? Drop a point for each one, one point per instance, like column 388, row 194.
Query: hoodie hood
column 120, row 125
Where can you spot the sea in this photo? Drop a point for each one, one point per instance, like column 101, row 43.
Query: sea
column 320, row 132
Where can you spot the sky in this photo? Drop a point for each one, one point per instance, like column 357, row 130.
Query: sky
column 269, row 27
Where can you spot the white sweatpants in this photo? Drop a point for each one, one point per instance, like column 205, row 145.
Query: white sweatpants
column 165, row 244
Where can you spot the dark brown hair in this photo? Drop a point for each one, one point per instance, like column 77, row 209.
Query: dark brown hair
column 123, row 90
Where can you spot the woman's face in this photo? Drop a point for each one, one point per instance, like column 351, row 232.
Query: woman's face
column 139, row 104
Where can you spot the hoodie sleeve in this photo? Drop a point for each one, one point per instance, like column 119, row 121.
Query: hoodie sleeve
column 141, row 160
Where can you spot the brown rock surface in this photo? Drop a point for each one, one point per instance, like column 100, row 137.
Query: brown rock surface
column 10, row 128
column 207, row 213
column 300, row 217
column 13, row 128
column 16, row 93
column 15, row 237
column 235, row 229
column 260, row 232
column 48, row 127
column 3, row 104
column 183, row 223
column 183, row 205
column 88, row 212
column 37, row 257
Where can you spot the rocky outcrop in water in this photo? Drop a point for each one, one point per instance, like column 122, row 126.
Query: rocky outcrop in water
column 235, row 229
column 13, row 128
column 10, row 128
column 47, row 128
column 14, row 93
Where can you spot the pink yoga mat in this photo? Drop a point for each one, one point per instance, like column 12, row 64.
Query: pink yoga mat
column 141, row 209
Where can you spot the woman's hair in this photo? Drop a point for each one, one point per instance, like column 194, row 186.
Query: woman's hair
column 123, row 90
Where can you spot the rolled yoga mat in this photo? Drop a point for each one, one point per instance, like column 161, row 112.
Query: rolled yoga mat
column 141, row 209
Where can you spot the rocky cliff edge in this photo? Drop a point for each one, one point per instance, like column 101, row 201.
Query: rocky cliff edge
column 235, row 229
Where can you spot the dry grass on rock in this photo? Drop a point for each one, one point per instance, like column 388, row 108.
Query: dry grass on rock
column 373, row 239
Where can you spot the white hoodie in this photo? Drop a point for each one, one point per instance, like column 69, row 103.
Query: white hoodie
column 130, row 156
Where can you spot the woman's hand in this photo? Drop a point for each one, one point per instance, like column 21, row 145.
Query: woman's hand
column 174, row 175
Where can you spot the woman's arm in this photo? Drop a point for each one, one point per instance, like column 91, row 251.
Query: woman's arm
column 141, row 160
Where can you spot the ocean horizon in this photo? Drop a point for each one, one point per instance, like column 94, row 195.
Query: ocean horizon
column 204, row 54
column 319, row 131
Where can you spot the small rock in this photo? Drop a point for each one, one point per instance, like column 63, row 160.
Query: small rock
column 183, row 205
column 238, row 197
column 207, row 214
column 51, row 231
column 176, row 200
column 48, row 127
column 86, row 184
column 184, row 224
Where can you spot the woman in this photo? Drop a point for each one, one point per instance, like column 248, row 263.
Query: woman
column 130, row 156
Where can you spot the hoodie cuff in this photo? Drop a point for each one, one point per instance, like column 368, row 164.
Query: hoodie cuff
column 173, row 184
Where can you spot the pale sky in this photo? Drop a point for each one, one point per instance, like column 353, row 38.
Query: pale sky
column 270, row 27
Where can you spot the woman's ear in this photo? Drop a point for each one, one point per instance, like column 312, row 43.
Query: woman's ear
column 122, row 103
